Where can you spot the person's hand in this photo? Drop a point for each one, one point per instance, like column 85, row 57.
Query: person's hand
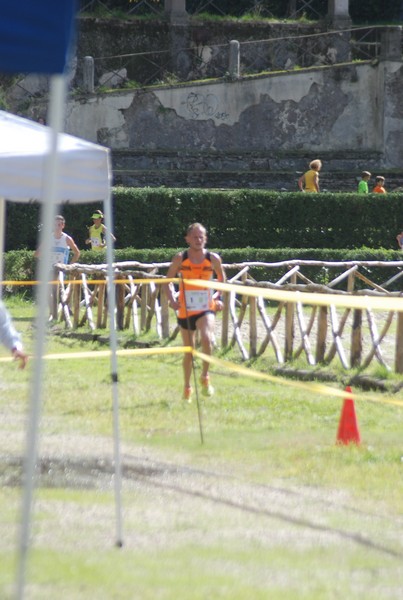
column 174, row 304
column 21, row 356
column 219, row 305
column 88, row 241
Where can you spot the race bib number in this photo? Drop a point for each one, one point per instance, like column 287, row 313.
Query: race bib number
column 197, row 300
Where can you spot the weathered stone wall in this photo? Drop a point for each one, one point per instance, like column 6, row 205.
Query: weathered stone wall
column 339, row 109
column 241, row 130
column 393, row 115
column 310, row 110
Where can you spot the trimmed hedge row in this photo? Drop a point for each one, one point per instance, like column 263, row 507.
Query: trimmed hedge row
column 158, row 217
column 20, row 265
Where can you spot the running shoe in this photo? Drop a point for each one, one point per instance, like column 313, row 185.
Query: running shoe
column 187, row 394
column 207, row 388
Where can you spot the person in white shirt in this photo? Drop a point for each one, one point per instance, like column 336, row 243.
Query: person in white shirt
column 62, row 244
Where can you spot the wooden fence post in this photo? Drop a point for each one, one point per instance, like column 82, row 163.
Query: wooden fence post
column 252, row 327
column 356, row 339
column 399, row 344
column 76, row 301
column 164, row 312
column 322, row 333
column 289, row 325
column 101, row 303
column 54, row 298
column 225, row 320
column 120, row 305
column 144, row 304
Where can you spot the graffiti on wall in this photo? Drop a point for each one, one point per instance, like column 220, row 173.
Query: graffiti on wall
column 202, row 106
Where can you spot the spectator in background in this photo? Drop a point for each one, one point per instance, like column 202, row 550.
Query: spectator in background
column 97, row 232
column 399, row 238
column 363, row 183
column 62, row 244
column 309, row 181
column 379, row 185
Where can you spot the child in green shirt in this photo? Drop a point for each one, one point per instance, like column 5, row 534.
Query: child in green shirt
column 363, row 183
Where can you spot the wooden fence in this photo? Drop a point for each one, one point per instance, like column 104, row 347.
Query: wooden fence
column 283, row 331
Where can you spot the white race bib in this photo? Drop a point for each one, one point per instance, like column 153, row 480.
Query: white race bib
column 197, row 299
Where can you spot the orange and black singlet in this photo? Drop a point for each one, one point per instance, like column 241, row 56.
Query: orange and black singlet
column 197, row 299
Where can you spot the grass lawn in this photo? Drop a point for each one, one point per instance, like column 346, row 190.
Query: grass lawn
column 267, row 507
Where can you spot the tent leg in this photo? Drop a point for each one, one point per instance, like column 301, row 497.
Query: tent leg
column 114, row 374
column 2, row 240
column 51, row 193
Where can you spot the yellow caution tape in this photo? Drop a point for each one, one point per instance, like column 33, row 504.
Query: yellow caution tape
column 316, row 388
column 131, row 352
column 93, row 281
column 343, row 301
column 364, row 302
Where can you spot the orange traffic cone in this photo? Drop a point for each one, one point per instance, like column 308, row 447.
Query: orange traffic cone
column 348, row 428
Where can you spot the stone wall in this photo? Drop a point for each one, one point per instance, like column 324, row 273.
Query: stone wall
column 231, row 130
column 350, row 113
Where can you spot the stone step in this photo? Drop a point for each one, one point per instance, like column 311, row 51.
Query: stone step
column 270, row 180
column 254, row 170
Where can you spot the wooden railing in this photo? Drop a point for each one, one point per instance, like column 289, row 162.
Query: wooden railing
column 283, row 331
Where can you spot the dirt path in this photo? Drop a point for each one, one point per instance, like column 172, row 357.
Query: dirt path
column 169, row 503
column 304, row 514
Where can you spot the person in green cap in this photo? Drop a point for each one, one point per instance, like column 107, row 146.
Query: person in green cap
column 97, row 232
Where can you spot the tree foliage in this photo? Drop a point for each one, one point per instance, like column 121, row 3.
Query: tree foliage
column 370, row 11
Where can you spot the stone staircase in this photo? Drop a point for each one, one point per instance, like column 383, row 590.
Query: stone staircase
column 251, row 170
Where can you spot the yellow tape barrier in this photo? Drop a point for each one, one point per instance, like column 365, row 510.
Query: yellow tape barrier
column 107, row 353
column 343, row 301
column 92, row 281
column 304, row 297
column 316, row 388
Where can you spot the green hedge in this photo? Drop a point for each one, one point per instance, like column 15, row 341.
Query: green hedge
column 158, row 217
column 257, row 218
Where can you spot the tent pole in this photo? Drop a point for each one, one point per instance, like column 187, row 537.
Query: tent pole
column 114, row 371
column 51, row 192
column 2, row 240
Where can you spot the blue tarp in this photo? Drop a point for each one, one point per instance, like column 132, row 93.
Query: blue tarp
column 35, row 35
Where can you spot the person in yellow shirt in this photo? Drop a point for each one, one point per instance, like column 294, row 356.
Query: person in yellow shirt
column 309, row 181
column 97, row 233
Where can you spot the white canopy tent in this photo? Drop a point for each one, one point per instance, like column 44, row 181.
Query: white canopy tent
column 84, row 172
column 31, row 154
column 84, row 175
